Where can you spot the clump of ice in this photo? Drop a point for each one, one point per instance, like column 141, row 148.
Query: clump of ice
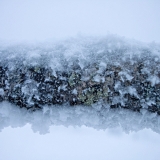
column 154, row 80
column 98, row 116
column 126, row 75
column 132, row 91
column 1, row 91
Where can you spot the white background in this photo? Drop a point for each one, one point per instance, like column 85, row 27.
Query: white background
column 50, row 19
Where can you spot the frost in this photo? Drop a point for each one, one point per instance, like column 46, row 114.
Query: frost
column 74, row 91
column 98, row 116
column 97, row 78
column 154, row 80
column 117, row 85
column 1, row 91
column 132, row 91
column 126, row 75
column 94, row 74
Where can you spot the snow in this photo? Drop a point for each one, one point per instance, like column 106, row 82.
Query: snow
column 154, row 80
column 127, row 76
column 99, row 117
column 80, row 50
column 74, row 91
column 79, row 132
column 97, row 78
column 132, row 91
column 1, row 91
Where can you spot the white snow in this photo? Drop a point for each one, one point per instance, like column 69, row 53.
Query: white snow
column 132, row 91
column 154, row 80
column 126, row 75
column 98, row 117
column 74, row 91
column 69, row 136
column 1, row 91
column 97, row 78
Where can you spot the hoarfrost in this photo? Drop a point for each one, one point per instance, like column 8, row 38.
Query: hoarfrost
column 1, row 91
column 154, row 80
column 82, row 55
column 98, row 116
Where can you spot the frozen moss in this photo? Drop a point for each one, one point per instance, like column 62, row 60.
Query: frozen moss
column 90, row 99
column 82, row 97
column 73, row 79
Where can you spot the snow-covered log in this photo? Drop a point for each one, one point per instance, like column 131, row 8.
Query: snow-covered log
column 113, row 71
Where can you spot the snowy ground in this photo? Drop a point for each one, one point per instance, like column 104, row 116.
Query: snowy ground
column 77, row 133
column 78, row 143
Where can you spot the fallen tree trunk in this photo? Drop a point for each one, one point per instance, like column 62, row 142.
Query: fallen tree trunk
column 36, row 86
column 122, row 81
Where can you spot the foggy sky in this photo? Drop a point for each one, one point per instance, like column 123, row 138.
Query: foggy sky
column 50, row 19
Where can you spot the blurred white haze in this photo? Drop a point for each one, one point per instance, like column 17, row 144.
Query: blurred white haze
column 32, row 21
